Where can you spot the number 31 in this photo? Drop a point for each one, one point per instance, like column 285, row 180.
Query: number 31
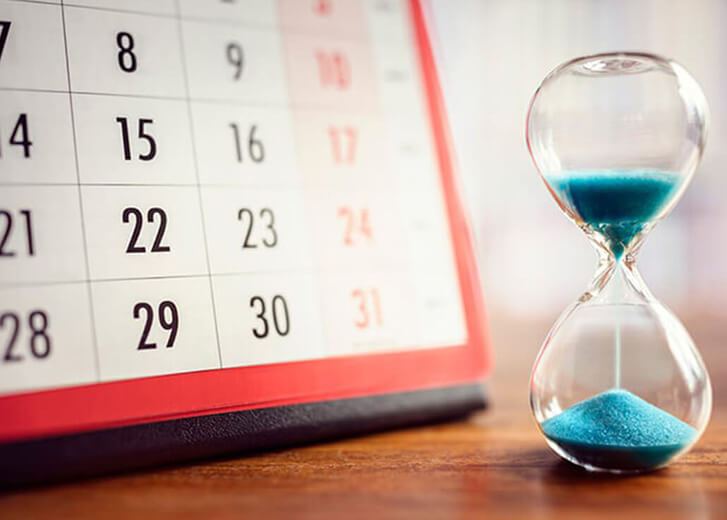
column 368, row 308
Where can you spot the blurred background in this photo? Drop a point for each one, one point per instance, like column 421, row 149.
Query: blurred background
column 534, row 262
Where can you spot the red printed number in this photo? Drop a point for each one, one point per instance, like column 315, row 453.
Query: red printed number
column 343, row 144
column 357, row 226
column 322, row 7
column 334, row 70
column 368, row 308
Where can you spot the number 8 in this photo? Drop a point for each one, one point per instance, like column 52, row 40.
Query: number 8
column 126, row 56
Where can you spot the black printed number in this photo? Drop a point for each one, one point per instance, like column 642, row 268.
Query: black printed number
column 255, row 150
column 267, row 219
column 278, row 312
column 6, row 231
column 39, row 343
column 236, row 58
column 135, row 217
column 4, row 33
column 20, row 136
column 126, row 56
column 143, row 135
column 168, row 316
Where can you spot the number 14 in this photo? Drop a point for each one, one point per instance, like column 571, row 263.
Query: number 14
column 20, row 136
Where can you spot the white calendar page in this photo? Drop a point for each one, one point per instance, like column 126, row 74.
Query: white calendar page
column 191, row 185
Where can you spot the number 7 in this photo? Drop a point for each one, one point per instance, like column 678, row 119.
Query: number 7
column 4, row 33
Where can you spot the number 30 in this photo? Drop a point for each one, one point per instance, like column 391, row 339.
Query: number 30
column 280, row 315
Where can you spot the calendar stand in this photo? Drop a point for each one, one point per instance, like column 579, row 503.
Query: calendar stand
column 183, row 440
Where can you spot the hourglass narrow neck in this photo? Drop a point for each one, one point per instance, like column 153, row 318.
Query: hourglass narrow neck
column 617, row 281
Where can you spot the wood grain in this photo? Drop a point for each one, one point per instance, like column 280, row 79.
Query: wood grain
column 494, row 465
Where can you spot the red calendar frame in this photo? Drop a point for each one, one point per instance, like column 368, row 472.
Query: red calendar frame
column 160, row 398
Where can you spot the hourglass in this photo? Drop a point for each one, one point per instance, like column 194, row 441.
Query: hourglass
column 618, row 384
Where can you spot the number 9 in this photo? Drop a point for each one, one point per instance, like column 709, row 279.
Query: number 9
column 236, row 58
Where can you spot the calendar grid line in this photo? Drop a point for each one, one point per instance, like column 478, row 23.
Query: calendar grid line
column 135, row 12
column 345, row 188
column 94, row 335
column 266, row 28
column 316, row 274
column 383, row 269
column 243, row 24
column 42, row 2
column 309, row 107
column 195, row 159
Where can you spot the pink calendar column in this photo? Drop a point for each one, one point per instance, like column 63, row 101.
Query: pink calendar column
column 345, row 164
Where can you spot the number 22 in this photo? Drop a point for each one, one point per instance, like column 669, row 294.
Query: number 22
column 135, row 213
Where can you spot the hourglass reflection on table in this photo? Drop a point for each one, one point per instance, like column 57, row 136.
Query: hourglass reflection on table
column 618, row 384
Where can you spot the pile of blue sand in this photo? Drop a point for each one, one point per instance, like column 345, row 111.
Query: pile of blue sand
column 618, row 430
column 616, row 203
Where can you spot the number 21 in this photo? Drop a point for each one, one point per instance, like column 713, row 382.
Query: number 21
column 7, row 217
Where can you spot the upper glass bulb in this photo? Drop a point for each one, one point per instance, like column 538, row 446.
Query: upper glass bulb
column 617, row 137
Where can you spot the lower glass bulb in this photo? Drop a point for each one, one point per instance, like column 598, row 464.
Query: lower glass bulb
column 618, row 385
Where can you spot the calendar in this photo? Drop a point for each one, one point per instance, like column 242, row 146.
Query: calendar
column 210, row 207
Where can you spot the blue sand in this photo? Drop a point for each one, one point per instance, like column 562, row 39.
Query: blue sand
column 618, row 430
column 616, row 203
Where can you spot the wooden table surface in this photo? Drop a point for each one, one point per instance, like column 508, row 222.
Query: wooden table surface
column 494, row 465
